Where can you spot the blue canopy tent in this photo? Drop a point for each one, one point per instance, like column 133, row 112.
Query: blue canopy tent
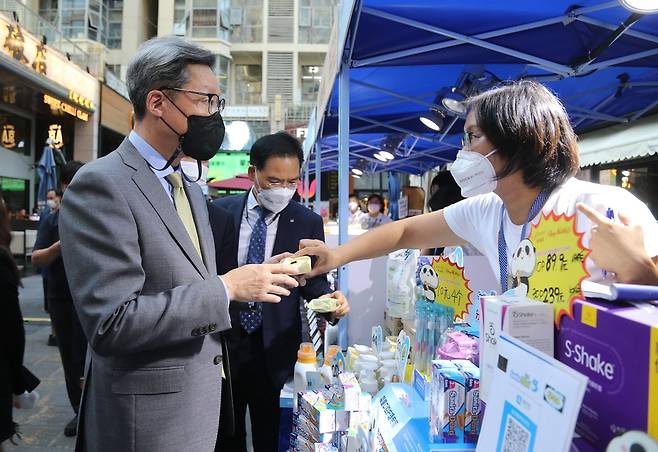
column 393, row 61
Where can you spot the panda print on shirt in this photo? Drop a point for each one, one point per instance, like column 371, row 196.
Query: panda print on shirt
column 523, row 266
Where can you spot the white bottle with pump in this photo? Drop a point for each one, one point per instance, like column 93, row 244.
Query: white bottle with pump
column 306, row 362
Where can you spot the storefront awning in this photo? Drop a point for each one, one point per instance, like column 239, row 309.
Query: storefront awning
column 620, row 142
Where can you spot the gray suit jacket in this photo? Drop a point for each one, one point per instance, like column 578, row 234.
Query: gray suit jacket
column 151, row 309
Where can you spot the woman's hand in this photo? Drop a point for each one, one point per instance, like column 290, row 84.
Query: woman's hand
column 619, row 248
column 327, row 258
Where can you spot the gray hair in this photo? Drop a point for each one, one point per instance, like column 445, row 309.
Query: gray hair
column 162, row 62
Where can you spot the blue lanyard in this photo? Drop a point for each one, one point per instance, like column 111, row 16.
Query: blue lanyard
column 537, row 205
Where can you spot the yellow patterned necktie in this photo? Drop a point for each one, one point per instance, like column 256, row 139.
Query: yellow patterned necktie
column 183, row 208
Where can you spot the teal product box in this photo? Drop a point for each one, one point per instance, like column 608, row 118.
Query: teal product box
column 463, row 363
column 447, row 405
column 421, row 385
column 472, row 404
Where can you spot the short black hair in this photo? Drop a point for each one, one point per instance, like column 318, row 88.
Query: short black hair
column 59, row 193
column 353, row 195
column 69, row 169
column 530, row 128
column 280, row 144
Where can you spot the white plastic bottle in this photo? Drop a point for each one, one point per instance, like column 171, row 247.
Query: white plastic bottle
column 306, row 362
column 326, row 371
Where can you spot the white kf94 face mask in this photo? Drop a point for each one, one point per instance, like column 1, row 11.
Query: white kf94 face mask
column 474, row 173
column 274, row 199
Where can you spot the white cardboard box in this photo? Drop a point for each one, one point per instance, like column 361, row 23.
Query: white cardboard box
column 528, row 320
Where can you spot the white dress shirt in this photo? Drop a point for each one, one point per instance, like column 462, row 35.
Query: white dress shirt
column 249, row 218
column 155, row 160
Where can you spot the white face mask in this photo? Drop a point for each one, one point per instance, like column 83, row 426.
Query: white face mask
column 354, row 206
column 51, row 203
column 274, row 199
column 191, row 170
column 474, row 173
column 374, row 208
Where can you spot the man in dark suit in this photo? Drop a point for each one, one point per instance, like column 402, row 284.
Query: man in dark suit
column 263, row 340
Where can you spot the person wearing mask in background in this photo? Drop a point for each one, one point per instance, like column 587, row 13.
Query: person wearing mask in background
column 263, row 340
column 518, row 160
column 70, row 339
column 375, row 216
column 356, row 214
column 139, row 255
column 52, row 204
column 12, row 333
column 190, row 168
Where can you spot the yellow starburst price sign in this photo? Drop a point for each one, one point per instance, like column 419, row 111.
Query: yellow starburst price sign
column 453, row 290
column 559, row 263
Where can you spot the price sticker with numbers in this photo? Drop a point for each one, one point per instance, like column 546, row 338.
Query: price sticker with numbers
column 559, row 263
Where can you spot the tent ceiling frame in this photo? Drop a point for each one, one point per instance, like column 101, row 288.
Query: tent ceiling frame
column 479, row 40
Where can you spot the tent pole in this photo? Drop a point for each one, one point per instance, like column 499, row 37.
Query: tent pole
column 343, row 180
column 318, row 178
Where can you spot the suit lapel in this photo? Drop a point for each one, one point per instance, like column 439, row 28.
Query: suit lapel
column 238, row 212
column 150, row 186
column 198, row 205
column 286, row 223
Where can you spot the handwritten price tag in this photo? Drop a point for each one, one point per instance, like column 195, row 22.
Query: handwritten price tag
column 559, row 264
column 453, row 289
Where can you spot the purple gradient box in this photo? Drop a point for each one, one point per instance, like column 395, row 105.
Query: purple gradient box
column 616, row 347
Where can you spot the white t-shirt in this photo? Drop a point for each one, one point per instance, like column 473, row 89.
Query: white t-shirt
column 477, row 219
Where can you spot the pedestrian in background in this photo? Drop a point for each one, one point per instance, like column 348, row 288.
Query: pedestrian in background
column 66, row 325
column 12, row 333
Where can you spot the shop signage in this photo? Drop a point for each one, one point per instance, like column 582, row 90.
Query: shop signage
column 555, row 256
column 81, row 100
column 55, row 134
column 26, row 49
column 57, row 104
column 8, row 136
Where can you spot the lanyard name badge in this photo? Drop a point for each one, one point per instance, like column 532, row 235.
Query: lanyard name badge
column 536, row 207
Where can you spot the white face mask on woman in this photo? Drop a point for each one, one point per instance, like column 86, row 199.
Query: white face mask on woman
column 474, row 173
column 374, row 208
column 273, row 199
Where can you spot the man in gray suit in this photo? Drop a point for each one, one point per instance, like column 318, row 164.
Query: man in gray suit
column 140, row 260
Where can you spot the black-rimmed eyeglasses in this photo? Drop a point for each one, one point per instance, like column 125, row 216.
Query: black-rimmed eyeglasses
column 215, row 103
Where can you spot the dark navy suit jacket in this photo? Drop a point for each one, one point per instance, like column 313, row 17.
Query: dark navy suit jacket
column 282, row 327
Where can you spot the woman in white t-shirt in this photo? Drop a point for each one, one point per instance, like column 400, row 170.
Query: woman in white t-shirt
column 518, row 158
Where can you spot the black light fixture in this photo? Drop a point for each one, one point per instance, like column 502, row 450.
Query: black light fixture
column 434, row 118
column 389, row 146
column 640, row 6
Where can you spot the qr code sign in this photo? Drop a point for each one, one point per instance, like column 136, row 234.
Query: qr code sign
column 517, row 437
